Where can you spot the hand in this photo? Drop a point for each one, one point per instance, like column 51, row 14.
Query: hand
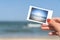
column 54, row 25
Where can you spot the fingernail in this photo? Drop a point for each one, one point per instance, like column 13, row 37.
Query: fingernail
column 48, row 20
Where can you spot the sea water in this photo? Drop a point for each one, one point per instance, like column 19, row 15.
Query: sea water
column 20, row 29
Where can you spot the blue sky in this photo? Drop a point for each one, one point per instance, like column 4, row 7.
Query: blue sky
column 17, row 10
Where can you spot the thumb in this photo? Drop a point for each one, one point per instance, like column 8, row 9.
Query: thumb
column 52, row 23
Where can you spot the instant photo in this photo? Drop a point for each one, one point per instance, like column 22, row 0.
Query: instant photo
column 39, row 15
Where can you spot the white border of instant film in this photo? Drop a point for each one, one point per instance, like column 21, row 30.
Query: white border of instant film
column 49, row 15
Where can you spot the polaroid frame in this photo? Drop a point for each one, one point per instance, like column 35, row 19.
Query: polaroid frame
column 49, row 15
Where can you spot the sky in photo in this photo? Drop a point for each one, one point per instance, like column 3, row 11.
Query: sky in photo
column 17, row 10
column 39, row 12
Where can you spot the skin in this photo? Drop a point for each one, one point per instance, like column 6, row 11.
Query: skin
column 53, row 25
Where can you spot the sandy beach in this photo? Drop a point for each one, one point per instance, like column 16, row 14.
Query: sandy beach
column 29, row 38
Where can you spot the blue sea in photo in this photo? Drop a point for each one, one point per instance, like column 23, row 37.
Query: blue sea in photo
column 20, row 29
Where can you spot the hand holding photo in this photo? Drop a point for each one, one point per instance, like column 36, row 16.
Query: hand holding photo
column 39, row 15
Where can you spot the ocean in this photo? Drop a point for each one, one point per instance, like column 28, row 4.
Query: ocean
column 9, row 29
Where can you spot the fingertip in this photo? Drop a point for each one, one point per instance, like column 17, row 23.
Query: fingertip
column 50, row 33
column 45, row 28
column 43, row 25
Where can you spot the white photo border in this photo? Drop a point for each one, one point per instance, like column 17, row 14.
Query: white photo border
column 49, row 15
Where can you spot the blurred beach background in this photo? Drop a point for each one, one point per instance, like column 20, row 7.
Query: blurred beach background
column 13, row 23
column 23, row 30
